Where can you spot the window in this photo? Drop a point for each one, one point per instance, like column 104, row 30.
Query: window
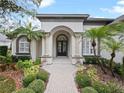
column 23, row 45
column 87, row 47
column 62, row 38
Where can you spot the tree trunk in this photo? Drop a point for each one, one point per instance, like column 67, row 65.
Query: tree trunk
column 99, row 63
column 30, row 48
column 97, row 58
column 111, row 61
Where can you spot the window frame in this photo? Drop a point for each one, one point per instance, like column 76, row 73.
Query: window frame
column 87, row 42
column 18, row 50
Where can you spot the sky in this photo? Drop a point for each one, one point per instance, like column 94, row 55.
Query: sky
column 95, row 8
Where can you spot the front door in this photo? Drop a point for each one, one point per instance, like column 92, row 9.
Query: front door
column 62, row 44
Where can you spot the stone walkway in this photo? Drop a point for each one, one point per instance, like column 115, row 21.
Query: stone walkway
column 61, row 76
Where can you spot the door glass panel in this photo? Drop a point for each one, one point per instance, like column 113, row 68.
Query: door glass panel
column 64, row 47
column 59, row 47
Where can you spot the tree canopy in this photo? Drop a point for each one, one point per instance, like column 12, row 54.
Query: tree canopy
column 15, row 6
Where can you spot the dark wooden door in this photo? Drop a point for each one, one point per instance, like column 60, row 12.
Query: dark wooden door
column 62, row 48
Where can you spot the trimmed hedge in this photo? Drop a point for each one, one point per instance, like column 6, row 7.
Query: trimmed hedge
column 37, row 85
column 88, row 90
column 43, row 75
column 3, row 50
column 83, row 80
column 7, row 85
column 24, row 90
column 28, row 79
column 92, row 60
column 24, row 64
column 100, row 87
column 37, row 61
column 21, row 57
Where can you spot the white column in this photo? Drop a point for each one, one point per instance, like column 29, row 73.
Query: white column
column 43, row 46
column 14, row 47
column 50, row 46
column 80, row 46
column 33, row 49
column 73, row 46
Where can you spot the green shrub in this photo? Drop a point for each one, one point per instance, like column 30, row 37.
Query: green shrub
column 2, row 78
column 105, row 62
column 7, row 85
column 92, row 73
column 24, row 64
column 118, row 68
column 114, row 87
column 22, row 57
column 100, row 87
column 32, row 70
column 24, row 90
column 90, row 60
column 88, row 90
column 43, row 75
column 37, row 85
column 37, row 61
column 83, row 80
column 2, row 59
column 3, row 50
column 28, row 79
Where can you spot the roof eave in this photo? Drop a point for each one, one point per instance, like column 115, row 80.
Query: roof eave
column 62, row 16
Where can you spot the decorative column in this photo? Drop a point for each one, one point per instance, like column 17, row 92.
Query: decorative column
column 46, row 49
column 78, row 48
column 43, row 46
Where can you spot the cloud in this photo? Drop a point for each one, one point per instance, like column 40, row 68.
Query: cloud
column 118, row 8
column 46, row 3
column 120, row 2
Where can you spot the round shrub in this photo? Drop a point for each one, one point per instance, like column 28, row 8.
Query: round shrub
column 83, row 80
column 37, row 85
column 88, row 90
column 32, row 70
column 28, row 79
column 43, row 75
column 24, row 90
column 100, row 87
column 24, row 64
column 2, row 78
column 7, row 85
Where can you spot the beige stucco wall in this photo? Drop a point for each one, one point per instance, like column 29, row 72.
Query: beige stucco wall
column 75, row 24
column 69, row 27
column 14, row 46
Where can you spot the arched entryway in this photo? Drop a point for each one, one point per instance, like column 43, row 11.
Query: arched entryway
column 62, row 45
column 62, row 34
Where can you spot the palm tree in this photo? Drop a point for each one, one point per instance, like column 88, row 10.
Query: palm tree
column 97, row 34
column 118, row 28
column 29, row 31
column 114, row 46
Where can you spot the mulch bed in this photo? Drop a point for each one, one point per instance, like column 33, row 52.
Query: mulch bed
column 16, row 75
column 108, row 76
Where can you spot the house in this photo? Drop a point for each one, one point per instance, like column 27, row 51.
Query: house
column 4, row 41
column 63, row 37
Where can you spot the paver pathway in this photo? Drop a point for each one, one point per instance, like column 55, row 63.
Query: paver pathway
column 61, row 76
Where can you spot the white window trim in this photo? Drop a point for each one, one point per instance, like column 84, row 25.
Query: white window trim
column 84, row 47
column 23, row 42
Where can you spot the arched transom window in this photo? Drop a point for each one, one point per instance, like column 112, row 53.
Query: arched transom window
column 23, row 45
column 62, row 38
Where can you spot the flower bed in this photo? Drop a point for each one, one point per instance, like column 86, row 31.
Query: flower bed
column 92, row 77
column 16, row 76
column 26, row 76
